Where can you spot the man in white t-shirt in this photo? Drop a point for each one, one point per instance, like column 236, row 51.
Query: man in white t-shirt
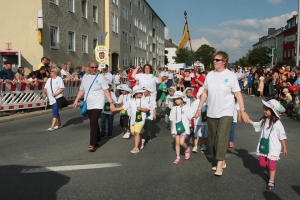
column 170, row 78
column 240, row 76
column 64, row 73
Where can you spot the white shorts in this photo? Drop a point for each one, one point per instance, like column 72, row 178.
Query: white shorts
column 201, row 131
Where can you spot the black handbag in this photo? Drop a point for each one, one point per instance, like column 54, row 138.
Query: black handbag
column 61, row 101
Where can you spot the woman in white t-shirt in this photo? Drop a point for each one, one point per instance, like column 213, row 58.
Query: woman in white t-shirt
column 54, row 88
column 95, row 100
column 147, row 78
column 220, row 87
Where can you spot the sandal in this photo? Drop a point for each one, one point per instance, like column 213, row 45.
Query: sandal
column 91, row 149
column 270, row 186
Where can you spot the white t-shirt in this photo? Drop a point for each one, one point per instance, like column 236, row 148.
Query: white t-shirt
column 189, row 101
column 235, row 113
column 277, row 134
column 192, row 75
column 64, row 73
column 32, row 79
column 131, row 107
column 240, row 75
column 95, row 100
column 198, row 121
column 169, row 102
column 109, row 76
column 57, row 84
column 185, row 114
column 114, row 99
column 170, row 75
column 147, row 79
column 117, row 79
column 221, row 87
column 123, row 99
column 152, row 103
column 163, row 73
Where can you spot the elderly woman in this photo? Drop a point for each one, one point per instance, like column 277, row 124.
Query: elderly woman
column 54, row 88
column 147, row 78
column 220, row 87
column 94, row 87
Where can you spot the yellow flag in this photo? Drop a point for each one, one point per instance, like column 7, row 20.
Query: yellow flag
column 185, row 37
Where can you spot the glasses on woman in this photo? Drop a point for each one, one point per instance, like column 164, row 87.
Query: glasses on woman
column 94, row 67
column 217, row 60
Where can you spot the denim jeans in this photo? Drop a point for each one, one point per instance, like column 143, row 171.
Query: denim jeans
column 231, row 138
column 110, row 120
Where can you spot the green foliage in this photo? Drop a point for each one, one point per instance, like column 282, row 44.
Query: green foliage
column 258, row 56
column 183, row 55
column 205, row 52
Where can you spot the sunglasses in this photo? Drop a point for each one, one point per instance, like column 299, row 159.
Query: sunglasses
column 217, row 60
column 94, row 67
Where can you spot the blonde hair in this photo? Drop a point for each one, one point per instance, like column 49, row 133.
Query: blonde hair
column 224, row 55
column 87, row 69
column 55, row 69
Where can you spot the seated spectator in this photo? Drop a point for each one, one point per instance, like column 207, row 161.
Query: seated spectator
column 6, row 74
column 20, row 75
column 31, row 79
column 65, row 75
column 77, row 73
column 41, row 74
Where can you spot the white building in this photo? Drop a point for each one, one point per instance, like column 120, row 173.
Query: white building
column 171, row 49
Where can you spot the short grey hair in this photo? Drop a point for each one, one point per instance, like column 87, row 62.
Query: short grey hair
column 55, row 69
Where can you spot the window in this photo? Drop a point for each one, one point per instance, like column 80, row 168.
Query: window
column 115, row 2
column 141, row 6
column 130, row 27
column 136, row 44
column 114, row 23
column 95, row 43
column 125, row 37
column 289, row 53
column 95, row 14
column 71, row 5
column 135, row 21
column 130, row 7
column 284, row 53
column 55, row 2
column 54, row 37
column 125, row 59
column 125, row 13
column 71, row 41
column 145, row 10
column 84, row 44
column 84, row 8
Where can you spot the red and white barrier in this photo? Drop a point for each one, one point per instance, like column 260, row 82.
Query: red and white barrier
column 25, row 96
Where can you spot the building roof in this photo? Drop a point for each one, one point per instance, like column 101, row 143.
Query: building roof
column 155, row 12
column 170, row 44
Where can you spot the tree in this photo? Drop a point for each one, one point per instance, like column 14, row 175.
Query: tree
column 183, row 55
column 166, row 57
column 258, row 56
column 205, row 52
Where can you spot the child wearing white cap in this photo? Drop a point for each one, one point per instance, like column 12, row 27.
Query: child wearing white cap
column 169, row 105
column 271, row 138
column 107, row 114
column 152, row 114
column 180, row 117
column 124, row 117
column 137, row 107
column 200, row 123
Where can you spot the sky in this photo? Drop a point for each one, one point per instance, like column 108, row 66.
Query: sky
column 229, row 25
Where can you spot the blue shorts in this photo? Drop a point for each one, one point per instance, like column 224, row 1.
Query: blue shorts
column 201, row 131
column 55, row 110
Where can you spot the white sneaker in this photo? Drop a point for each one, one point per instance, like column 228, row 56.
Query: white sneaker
column 203, row 148
column 50, row 129
column 126, row 135
column 195, row 149
column 142, row 144
column 134, row 151
column 57, row 127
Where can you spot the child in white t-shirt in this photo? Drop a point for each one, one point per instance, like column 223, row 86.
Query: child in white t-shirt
column 169, row 105
column 108, row 115
column 151, row 115
column 124, row 118
column 236, row 118
column 271, row 138
column 137, row 107
column 188, row 92
column 180, row 117
column 200, row 123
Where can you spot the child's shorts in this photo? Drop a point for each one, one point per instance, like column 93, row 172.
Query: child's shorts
column 124, row 121
column 136, row 128
column 201, row 131
column 148, row 125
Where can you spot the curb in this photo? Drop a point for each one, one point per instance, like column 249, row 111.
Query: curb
column 31, row 114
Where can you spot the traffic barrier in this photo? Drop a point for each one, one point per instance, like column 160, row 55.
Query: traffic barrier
column 21, row 96
column 25, row 96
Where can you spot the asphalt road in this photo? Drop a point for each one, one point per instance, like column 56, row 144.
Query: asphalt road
column 26, row 145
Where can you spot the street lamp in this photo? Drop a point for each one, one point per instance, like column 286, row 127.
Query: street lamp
column 272, row 48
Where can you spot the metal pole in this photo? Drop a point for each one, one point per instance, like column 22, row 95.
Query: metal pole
column 276, row 50
column 298, row 32
column 272, row 63
column 185, row 16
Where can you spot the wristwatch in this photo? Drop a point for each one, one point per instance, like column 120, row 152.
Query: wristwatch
column 111, row 102
column 243, row 110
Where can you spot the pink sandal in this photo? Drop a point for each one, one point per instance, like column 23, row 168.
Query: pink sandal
column 177, row 161
column 187, row 153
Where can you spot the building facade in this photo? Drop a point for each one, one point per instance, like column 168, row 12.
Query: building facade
column 171, row 48
column 66, row 30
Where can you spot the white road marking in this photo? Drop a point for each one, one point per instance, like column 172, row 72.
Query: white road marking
column 69, row 168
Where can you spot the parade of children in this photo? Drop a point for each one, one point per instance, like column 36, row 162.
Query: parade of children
column 272, row 137
column 137, row 108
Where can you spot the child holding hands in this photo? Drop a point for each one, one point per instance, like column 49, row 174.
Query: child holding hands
column 271, row 138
